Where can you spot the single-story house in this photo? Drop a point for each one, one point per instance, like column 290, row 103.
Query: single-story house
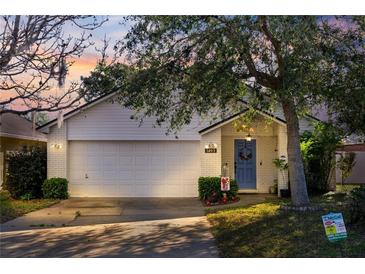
column 16, row 132
column 104, row 153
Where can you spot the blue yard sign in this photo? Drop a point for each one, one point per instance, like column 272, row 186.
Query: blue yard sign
column 334, row 226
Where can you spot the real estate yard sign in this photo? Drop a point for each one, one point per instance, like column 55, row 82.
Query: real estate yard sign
column 225, row 184
column 334, row 226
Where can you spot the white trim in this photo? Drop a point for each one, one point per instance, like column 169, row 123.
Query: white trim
column 23, row 137
column 266, row 115
column 219, row 125
column 236, row 117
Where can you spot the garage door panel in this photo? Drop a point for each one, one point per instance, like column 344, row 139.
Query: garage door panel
column 92, row 162
column 142, row 148
column 110, row 163
column 190, row 190
column 143, row 190
column 93, row 149
column 173, row 148
column 110, row 148
column 79, row 190
column 126, row 162
column 126, row 148
column 158, row 162
column 142, row 162
column 190, row 150
column 158, row 148
column 157, row 175
column 134, row 169
column 109, row 190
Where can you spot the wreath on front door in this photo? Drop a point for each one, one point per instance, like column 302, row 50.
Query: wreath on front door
column 245, row 156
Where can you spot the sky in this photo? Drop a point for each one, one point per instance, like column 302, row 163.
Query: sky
column 113, row 29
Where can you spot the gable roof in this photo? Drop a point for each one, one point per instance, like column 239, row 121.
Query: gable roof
column 229, row 119
column 207, row 129
column 15, row 126
column 77, row 110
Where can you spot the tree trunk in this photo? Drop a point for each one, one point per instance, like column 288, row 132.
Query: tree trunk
column 298, row 185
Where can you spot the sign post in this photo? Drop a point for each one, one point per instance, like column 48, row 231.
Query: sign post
column 334, row 226
column 225, row 184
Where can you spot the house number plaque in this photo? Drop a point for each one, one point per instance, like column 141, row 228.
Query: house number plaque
column 211, row 148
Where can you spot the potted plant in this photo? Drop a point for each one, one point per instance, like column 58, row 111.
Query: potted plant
column 274, row 188
column 282, row 165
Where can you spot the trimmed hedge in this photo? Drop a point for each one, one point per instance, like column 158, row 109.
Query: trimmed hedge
column 5, row 206
column 210, row 188
column 55, row 188
column 26, row 172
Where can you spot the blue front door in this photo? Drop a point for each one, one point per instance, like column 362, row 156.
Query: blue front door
column 245, row 163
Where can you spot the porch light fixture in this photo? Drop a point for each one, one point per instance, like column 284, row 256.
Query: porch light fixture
column 56, row 146
column 248, row 138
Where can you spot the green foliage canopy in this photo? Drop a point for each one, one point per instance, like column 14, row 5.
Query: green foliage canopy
column 181, row 65
column 318, row 151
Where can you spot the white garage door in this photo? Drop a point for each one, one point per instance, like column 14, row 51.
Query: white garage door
column 134, row 169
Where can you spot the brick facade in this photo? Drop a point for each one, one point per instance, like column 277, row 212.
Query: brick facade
column 211, row 163
column 57, row 157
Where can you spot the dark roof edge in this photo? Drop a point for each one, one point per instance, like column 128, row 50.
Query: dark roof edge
column 222, row 121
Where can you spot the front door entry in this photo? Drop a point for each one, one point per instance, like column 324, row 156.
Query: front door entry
column 245, row 163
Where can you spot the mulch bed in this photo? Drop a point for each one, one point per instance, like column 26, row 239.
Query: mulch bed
column 204, row 202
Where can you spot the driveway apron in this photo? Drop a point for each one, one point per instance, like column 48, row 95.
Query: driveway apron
column 111, row 227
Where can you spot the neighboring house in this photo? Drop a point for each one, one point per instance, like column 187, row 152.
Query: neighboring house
column 357, row 175
column 15, row 133
column 102, row 152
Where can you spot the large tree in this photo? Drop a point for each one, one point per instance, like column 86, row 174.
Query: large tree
column 35, row 55
column 182, row 65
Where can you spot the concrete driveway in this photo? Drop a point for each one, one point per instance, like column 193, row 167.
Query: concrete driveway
column 111, row 227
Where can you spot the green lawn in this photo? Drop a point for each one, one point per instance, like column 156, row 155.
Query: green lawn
column 263, row 230
column 10, row 209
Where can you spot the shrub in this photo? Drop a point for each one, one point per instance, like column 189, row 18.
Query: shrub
column 357, row 204
column 26, row 172
column 210, row 188
column 318, row 150
column 5, row 206
column 55, row 188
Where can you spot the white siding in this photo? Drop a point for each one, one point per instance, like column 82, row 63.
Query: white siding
column 109, row 121
column 357, row 175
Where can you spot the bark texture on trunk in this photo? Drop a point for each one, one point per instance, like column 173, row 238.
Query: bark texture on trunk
column 298, row 185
